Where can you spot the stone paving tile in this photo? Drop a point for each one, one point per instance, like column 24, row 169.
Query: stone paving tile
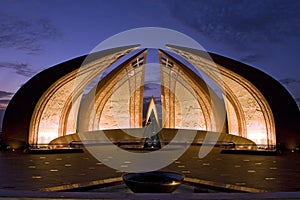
column 21, row 171
column 272, row 173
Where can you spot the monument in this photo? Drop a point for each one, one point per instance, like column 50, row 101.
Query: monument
column 52, row 107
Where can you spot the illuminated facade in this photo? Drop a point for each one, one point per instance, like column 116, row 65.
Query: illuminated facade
column 54, row 104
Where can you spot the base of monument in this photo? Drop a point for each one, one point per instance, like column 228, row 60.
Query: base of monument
column 54, row 151
column 250, row 152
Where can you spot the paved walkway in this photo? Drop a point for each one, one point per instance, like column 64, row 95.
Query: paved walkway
column 20, row 195
column 35, row 172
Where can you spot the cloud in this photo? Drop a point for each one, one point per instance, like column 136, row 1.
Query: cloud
column 151, row 86
column 289, row 81
column 251, row 58
column 298, row 101
column 4, row 99
column 147, row 99
column 240, row 21
column 1, row 118
column 20, row 68
column 4, row 103
column 24, row 34
column 4, row 94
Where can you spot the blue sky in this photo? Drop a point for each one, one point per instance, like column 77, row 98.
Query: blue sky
column 35, row 35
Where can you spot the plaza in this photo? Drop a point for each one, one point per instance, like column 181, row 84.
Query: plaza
column 81, row 172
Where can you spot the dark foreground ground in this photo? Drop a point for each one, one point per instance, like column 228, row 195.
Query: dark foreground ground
column 38, row 172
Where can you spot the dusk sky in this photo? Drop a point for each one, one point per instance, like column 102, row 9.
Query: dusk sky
column 35, row 35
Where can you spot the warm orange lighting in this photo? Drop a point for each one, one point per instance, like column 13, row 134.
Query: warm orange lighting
column 56, row 113
column 248, row 113
column 117, row 102
column 152, row 107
